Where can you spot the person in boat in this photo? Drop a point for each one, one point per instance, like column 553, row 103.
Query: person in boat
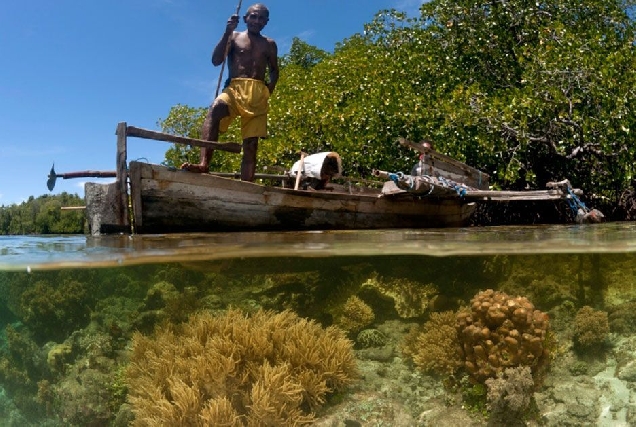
column 250, row 56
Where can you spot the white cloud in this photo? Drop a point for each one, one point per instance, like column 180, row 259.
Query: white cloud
column 411, row 7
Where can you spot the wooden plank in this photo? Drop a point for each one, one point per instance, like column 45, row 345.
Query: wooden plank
column 103, row 209
column 485, row 195
column 135, row 194
column 121, row 167
column 439, row 164
column 237, row 175
column 232, row 147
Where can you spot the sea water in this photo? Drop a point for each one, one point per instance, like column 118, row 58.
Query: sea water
column 70, row 306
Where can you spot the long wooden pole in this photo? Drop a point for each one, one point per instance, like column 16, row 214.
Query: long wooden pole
column 227, row 50
column 232, row 147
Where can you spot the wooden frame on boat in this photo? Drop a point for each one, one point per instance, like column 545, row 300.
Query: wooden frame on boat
column 147, row 198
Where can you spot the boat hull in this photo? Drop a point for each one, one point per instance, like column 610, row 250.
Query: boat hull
column 164, row 200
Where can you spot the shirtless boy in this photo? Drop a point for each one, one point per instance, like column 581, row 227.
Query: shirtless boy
column 250, row 55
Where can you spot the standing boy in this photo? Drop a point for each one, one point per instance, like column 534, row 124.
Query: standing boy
column 249, row 55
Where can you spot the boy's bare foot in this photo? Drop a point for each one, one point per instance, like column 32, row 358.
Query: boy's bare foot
column 194, row 168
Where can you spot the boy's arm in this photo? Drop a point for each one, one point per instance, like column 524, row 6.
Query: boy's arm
column 273, row 66
column 222, row 48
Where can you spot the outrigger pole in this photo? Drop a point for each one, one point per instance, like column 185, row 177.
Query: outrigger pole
column 123, row 131
column 50, row 183
column 227, row 50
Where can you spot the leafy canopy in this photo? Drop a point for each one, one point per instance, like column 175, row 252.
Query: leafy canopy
column 523, row 90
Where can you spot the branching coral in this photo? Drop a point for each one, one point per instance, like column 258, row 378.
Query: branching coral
column 232, row 369
column 500, row 331
column 435, row 348
column 591, row 328
column 356, row 314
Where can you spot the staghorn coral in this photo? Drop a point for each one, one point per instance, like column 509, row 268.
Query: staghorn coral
column 500, row 331
column 591, row 328
column 510, row 396
column 356, row 314
column 233, row 369
column 434, row 349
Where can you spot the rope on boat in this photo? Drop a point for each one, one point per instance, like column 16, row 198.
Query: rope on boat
column 575, row 203
column 398, row 177
column 459, row 188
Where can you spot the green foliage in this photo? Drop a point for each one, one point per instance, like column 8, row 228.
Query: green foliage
column 303, row 55
column 43, row 215
column 518, row 88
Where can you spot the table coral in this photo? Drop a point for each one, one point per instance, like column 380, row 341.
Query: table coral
column 499, row 331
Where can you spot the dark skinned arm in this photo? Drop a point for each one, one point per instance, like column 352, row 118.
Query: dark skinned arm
column 273, row 68
column 221, row 49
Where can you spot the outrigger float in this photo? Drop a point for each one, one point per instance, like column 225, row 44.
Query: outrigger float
column 154, row 199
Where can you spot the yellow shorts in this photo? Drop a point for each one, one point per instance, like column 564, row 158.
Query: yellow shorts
column 247, row 99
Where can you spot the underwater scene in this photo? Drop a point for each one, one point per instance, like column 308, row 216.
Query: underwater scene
column 485, row 326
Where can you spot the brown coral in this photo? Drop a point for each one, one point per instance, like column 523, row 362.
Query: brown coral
column 435, row 348
column 411, row 299
column 232, row 369
column 500, row 331
column 591, row 328
column 356, row 314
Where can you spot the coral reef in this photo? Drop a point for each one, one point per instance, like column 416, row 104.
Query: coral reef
column 410, row 299
column 58, row 356
column 435, row 348
column 80, row 389
column 591, row 329
column 510, row 396
column 553, row 287
column 21, row 364
column 500, row 331
column 52, row 311
column 371, row 338
column 622, row 317
column 233, row 369
column 356, row 314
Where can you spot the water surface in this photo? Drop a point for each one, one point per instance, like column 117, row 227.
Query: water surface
column 20, row 252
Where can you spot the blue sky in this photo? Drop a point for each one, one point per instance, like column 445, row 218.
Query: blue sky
column 71, row 70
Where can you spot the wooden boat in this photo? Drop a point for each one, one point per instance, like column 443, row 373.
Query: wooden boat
column 154, row 199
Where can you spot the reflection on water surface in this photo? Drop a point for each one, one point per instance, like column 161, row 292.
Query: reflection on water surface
column 17, row 252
